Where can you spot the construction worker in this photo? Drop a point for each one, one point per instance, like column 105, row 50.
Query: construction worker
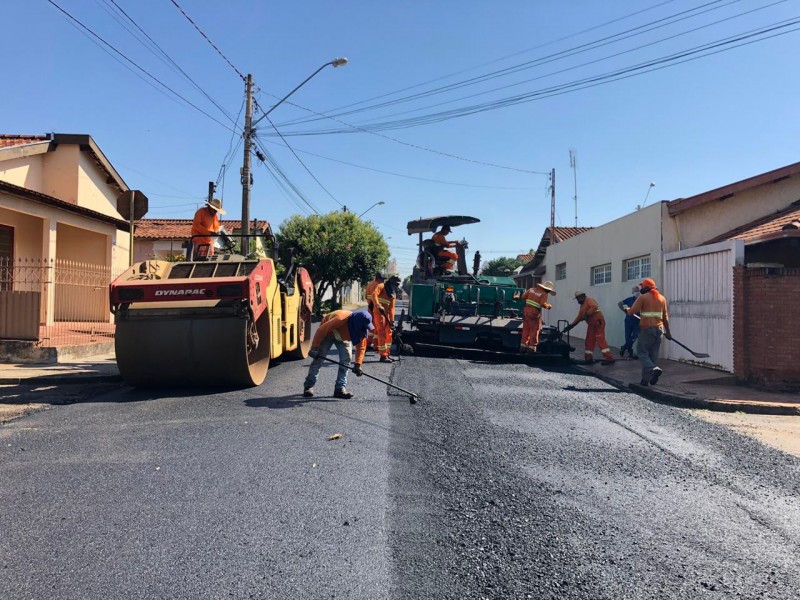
column 631, row 323
column 535, row 300
column 206, row 222
column 383, row 299
column 442, row 244
column 345, row 330
column 372, row 340
column 595, row 328
column 651, row 307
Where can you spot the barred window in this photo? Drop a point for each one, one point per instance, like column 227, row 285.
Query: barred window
column 636, row 269
column 601, row 274
column 561, row 271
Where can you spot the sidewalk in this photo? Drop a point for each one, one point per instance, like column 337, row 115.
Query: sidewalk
column 100, row 368
column 689, row 386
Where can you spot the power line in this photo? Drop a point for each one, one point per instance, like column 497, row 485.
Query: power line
column 200, row 31
column 153, row 77
column 269, row 159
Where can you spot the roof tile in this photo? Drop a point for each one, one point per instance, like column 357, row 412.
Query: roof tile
column 771, row 224
column 8, row 140
column 180, row 229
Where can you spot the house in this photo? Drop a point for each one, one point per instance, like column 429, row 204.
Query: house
column 693, row 248
column 61, row 235
column 166, row 239
column 533, row 269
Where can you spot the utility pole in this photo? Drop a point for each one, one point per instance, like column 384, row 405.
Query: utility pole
column 247, row 178
column 211, row 189
column 553, row 206
column 573, row 162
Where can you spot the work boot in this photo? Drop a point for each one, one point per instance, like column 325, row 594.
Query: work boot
column 308, row 393
column 644, row 382
column 622, row 352
column 655, row 375
column 386, row 359
column 342, row 393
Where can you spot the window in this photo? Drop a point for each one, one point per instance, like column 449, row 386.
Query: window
column 6, row 257
column 601, row 274
column 636, row 269
column 561, row 271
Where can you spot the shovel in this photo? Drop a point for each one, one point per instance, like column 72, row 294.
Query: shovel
column 689, row 350
column 412, row 397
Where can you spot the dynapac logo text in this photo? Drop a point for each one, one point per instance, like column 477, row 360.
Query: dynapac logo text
column 198, row 292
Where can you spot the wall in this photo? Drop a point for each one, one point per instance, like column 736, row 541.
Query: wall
column 82, row 290
column 93, row 191
column 705, row 222
column 27, row 232
column 150, row 249
column 25, row 172
column 765, row 334
column 636, row 234
column 60, row 176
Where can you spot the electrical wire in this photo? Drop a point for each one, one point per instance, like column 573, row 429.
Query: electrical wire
column 147, row 73
column 269, row 159
column 213, row 45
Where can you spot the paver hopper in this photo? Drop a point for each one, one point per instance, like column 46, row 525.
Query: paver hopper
column 217, row 321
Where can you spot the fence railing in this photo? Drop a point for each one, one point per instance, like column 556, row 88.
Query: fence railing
column 55, row 302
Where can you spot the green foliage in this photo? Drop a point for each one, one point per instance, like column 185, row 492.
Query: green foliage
column 407, row 285
column 335, row 248
column 176, row 257
column 501, row 267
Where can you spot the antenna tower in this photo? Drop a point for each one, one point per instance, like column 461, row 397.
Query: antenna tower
column 573, row 162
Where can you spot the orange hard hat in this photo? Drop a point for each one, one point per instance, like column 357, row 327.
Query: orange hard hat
column 648, row 283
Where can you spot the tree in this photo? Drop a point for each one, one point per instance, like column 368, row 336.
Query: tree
column 336, row 249
column 407, row 285
column 502, row 267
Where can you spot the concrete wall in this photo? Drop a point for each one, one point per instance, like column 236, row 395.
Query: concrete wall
column 27, row 232
column 765, row 333
column 25, row 172
column 698, row 225
column 631, row 236
column 60, row 176
column 93, row 191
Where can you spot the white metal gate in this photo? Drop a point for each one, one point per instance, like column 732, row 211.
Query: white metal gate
column 698, row 284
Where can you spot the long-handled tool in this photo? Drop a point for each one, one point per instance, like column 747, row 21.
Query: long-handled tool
column 412, row 397
column 689, row 350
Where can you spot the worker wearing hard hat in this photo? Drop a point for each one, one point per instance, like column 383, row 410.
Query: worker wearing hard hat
column 535, row 300
column 372, row 340
column 383, row 299
column 442, row 244
column 204, row 224
column 651, row 307
column 595, row 328
column 347, row 331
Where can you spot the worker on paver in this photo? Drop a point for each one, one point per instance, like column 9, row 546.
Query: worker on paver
column 651, row 307
column 595, row 328
column 535, row 300
column 442, row 245
column 372, row 340
column 347, row 331
column 383, row 299
column 206, row 222
column 631, row 323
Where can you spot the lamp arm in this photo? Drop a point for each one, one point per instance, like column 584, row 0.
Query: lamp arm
column 258, row 120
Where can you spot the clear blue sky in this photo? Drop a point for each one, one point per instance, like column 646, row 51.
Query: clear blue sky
column 689, row 127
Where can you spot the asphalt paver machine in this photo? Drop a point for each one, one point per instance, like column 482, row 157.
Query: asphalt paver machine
column 210, row 320
column 459, row 310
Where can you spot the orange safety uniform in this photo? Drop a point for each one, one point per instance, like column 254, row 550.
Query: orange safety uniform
column 441, row 241
column 652, row 308
column 206, row 220
column 335, row 324
column 535, row 301
column 383, row 331
column 372, row 338
column 595, row 329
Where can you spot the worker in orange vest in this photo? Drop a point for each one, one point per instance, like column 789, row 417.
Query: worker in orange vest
column 595, row 328
column 205, row 223
column 383, row 299
column 651, row 307
column 535, row 300
column 441, row 242
column 372, row 340
column 347, row 331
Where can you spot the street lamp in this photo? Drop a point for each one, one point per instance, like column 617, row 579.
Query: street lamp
column 380, row 203
column 652, row 185
column 249, row 132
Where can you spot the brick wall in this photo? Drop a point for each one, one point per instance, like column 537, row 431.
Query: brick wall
column 766, row 327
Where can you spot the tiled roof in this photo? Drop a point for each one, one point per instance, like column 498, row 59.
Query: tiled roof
column 180, row 229
column 525, row 257
column 7, row 139
column 765, row 228
column 564, row 233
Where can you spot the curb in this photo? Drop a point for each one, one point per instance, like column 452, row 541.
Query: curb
column 60, row 379
column 686, row 401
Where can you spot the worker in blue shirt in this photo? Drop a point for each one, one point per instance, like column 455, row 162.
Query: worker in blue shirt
column 631, row 323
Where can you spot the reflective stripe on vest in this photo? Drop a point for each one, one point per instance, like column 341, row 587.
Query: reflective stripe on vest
column 337, row 335
column 533, row 303
column 652, row 315
column 384, row 300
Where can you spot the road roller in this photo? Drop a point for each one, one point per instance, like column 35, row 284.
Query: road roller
column 217, row 321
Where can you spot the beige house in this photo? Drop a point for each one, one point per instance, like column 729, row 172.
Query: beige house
column 58, row 214
column 686, row 245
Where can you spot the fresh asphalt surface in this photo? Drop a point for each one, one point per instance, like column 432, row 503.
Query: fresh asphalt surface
column 504, row 481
